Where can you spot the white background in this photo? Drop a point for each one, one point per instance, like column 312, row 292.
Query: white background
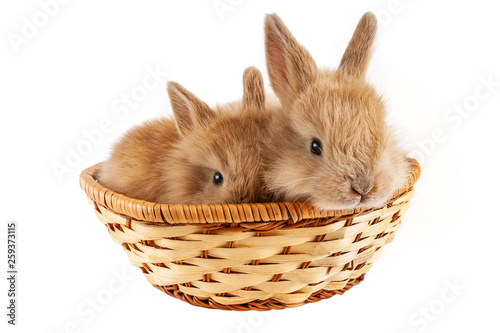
column 65, row 76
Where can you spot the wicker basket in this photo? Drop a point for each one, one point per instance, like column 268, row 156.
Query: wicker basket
column 248, row 256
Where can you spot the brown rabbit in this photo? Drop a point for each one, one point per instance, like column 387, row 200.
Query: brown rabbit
column 331, row 145
column 203, row 156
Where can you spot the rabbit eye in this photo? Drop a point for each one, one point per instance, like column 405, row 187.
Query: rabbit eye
column 316, row 147
column 218, row 179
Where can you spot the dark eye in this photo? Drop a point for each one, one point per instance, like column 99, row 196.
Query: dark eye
column 316, row 147
column 218, row 179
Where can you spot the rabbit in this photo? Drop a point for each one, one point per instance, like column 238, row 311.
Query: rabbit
column 330, row 144
column 202, row 156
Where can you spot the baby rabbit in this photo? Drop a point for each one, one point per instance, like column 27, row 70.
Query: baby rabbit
column 330, row 145
column 204, row 156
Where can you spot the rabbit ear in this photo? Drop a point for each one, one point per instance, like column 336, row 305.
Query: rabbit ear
column 289, row 65
column 358, row 53
column 188, row 109
column 253, row 89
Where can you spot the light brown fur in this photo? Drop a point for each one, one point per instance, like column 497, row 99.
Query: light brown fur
column 361, row 164
column 174, row 161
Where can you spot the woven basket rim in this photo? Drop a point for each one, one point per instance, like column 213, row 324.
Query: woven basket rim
column 150, row 212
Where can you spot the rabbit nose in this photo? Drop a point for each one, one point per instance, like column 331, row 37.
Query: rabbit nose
column 362, row 187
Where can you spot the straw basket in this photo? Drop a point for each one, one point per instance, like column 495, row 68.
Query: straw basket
column 248, row 256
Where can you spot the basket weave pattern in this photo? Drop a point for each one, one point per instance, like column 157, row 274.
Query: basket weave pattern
column 248, row 256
